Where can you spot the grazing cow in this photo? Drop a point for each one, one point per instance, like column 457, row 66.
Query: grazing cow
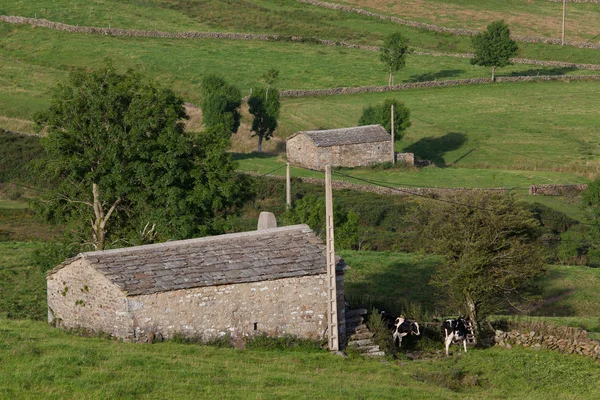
column 403, row 328
column 455, row 330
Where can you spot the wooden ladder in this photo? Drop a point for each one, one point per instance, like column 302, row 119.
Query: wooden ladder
column 471, row 340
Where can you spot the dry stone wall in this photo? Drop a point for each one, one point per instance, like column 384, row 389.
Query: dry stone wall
column 435, row 28
column 431, row 84
column 579, row 344
column 398, row 191
column 557, row 190
column 44, row 23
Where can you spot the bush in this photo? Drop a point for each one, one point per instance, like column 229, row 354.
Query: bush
column 382, row 335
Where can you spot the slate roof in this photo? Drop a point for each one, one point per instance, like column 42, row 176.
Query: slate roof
column 346, row 136
column 266, row 254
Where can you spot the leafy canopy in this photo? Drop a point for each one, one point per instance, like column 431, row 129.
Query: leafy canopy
column 220, row 104
column 490, row 250
column 393, row 52
column 116, row 141
column 382, row 114
column 494, row 47
column 264, row 105
column 310, row 210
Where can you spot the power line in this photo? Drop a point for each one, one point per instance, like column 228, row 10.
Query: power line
column 442, row 200
column 276, row 169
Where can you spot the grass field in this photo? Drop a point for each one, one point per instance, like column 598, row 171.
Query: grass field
column 37, row 361
column 526, row 18
column 291, row 18
column 550, row 125
column 34, row 60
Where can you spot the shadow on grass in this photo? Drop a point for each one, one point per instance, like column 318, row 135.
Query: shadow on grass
column 434, row 148
column 252, row 155
column 392, row 286
column 543, row 71
column 433, row 76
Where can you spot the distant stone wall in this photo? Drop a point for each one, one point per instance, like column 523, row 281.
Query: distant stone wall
column 575, row 1
column 435, row 28
column 397, row 191
column 578, row 344
column 557, row 190
column 431, row 84
column 44, row 23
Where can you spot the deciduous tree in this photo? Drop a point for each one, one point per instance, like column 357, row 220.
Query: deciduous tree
column 264, row 106
column 381, row 114
column 393, row 53
column 220, row 104
column 124, row 169
column 491, row 258
column 494, row 47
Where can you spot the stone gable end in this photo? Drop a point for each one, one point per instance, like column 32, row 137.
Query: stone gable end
column 81, row 297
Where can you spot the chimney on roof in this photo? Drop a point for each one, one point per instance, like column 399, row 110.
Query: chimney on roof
column 266, row 220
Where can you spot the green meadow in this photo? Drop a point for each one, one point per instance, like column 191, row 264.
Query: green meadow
column 527, row 18
column 42, row 362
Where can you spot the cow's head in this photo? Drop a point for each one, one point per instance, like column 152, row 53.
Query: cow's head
column 414, row 328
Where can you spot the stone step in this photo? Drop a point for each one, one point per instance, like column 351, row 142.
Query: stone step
column 360, row 343
column 354, row 321
column 374, row 354
column 355, row 313
column 368, row 349
column 362, row 335
column 357, row 328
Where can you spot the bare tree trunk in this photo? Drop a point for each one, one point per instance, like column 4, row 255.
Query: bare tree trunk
column 493, row 73
column 390, row 78
column 260, row 140
column 99, row 224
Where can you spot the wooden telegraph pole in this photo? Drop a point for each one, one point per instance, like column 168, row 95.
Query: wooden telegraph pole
column 563, row 21
column 288, row 188
column 393, row 151
column 334, row 344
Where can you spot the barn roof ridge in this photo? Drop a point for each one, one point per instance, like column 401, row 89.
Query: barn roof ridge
column 345, row 136
column 262, row 255
column 215, row 238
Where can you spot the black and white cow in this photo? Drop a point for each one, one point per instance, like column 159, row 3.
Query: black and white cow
column 405, row 327
column 455, row 330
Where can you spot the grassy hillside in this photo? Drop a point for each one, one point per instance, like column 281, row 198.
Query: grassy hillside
column 34, row 60
column 551, row 125
column 526, row 18
column 291, row 18
column 42, row 362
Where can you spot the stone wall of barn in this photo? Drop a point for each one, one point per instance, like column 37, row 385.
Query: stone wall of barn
column 81, row 297
column 295, row 306
column 354, row 155
column 302, row 152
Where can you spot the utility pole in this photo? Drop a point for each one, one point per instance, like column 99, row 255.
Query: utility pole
column 334, row 344
column 288, row 188
column 563, row 21
column 393, row 151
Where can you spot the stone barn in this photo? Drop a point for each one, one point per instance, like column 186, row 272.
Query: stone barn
column 270, row 281
column 346, row 147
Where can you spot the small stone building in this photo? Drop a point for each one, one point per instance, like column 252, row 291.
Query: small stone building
column 269, row 281
column 346, row 147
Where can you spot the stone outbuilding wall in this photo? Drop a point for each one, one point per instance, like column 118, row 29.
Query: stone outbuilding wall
column 347, row 147
column 271, row 281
